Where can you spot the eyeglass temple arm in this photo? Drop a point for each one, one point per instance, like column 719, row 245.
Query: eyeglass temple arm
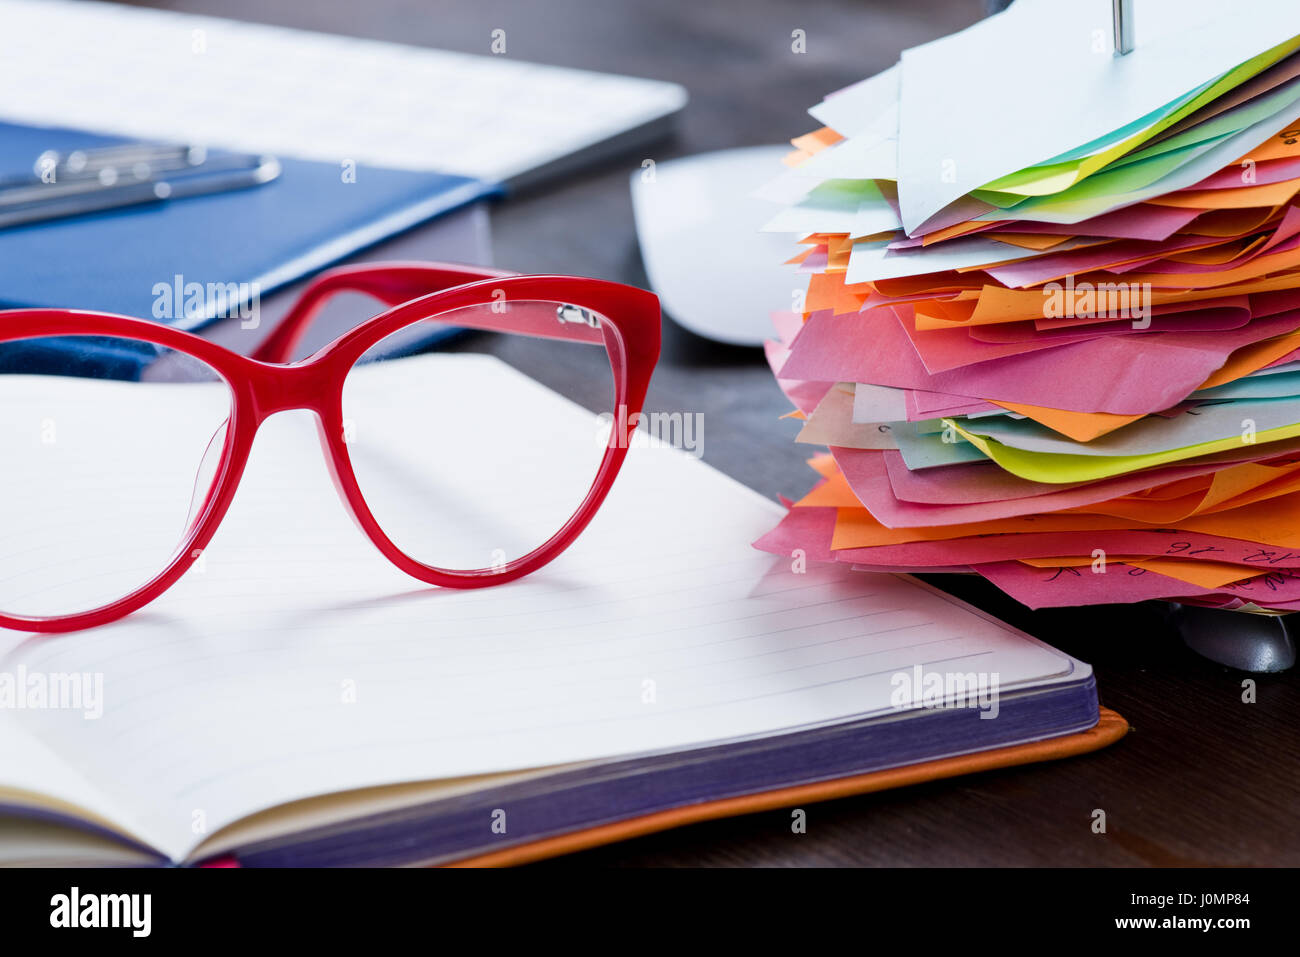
column 390, row 283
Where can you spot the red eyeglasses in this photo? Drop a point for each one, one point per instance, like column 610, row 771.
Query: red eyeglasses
column 125, row 440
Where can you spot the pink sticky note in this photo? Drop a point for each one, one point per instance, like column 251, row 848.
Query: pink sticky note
column 965, row 482
column 981, row 549
column 1212, row 315
column 974, row 482
column 1286, row 230
column 1054, row 266
column 1066, row 587
column 938, row 570
column 1167, row 308
column 1277, row 585
column 1169, row 267
column 807, row 529
column 943, row 349
column 787, row 325
column 1123, row 584
column 933, row 405
column 804, row 396
column 1261, row 174
column 868, row 477
column 1126, row 375
column 1289, row 357
column 1142, row 221
column 913, row 242
column 817, row 262
column 1274, row 303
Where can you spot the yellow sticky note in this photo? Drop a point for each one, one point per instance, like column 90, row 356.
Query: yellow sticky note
column 1059, row 468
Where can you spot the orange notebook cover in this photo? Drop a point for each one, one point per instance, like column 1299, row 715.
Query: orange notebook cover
column 1109, row 728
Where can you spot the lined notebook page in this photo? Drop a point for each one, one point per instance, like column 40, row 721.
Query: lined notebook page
column 660, row 628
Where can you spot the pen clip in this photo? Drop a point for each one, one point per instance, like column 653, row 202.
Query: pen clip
column 32, row 202
column 1121, row 12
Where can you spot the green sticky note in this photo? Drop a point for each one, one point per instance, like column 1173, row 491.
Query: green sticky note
column 1051, row 178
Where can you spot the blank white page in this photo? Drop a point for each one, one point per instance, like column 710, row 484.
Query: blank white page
column 226, row 696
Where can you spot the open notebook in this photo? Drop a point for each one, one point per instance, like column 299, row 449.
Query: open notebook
column 299, row 701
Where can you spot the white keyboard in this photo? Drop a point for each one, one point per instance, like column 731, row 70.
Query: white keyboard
column 169, row 76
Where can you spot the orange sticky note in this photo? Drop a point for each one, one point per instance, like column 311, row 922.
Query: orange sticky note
column 1241, row 197
column 1080, row 426
column 833, row 493
column 1204, row 574
column 817, row 140
column 824, row 465
column 1252, row 358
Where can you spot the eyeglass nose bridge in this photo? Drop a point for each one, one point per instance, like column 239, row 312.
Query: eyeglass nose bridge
column 283, row 388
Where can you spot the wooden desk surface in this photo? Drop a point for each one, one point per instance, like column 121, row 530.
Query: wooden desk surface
column 1203, row 779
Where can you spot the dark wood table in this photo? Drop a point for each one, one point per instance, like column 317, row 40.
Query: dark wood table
column 1202, row 779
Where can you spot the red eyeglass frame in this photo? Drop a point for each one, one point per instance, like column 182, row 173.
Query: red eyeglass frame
column 265, row 383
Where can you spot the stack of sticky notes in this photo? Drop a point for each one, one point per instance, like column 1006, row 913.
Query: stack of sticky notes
column 1051, row 331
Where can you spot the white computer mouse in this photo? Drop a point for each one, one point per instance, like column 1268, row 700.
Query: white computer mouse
column 699, row 229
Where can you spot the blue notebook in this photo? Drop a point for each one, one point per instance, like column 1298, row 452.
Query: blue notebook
column 259, row 238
